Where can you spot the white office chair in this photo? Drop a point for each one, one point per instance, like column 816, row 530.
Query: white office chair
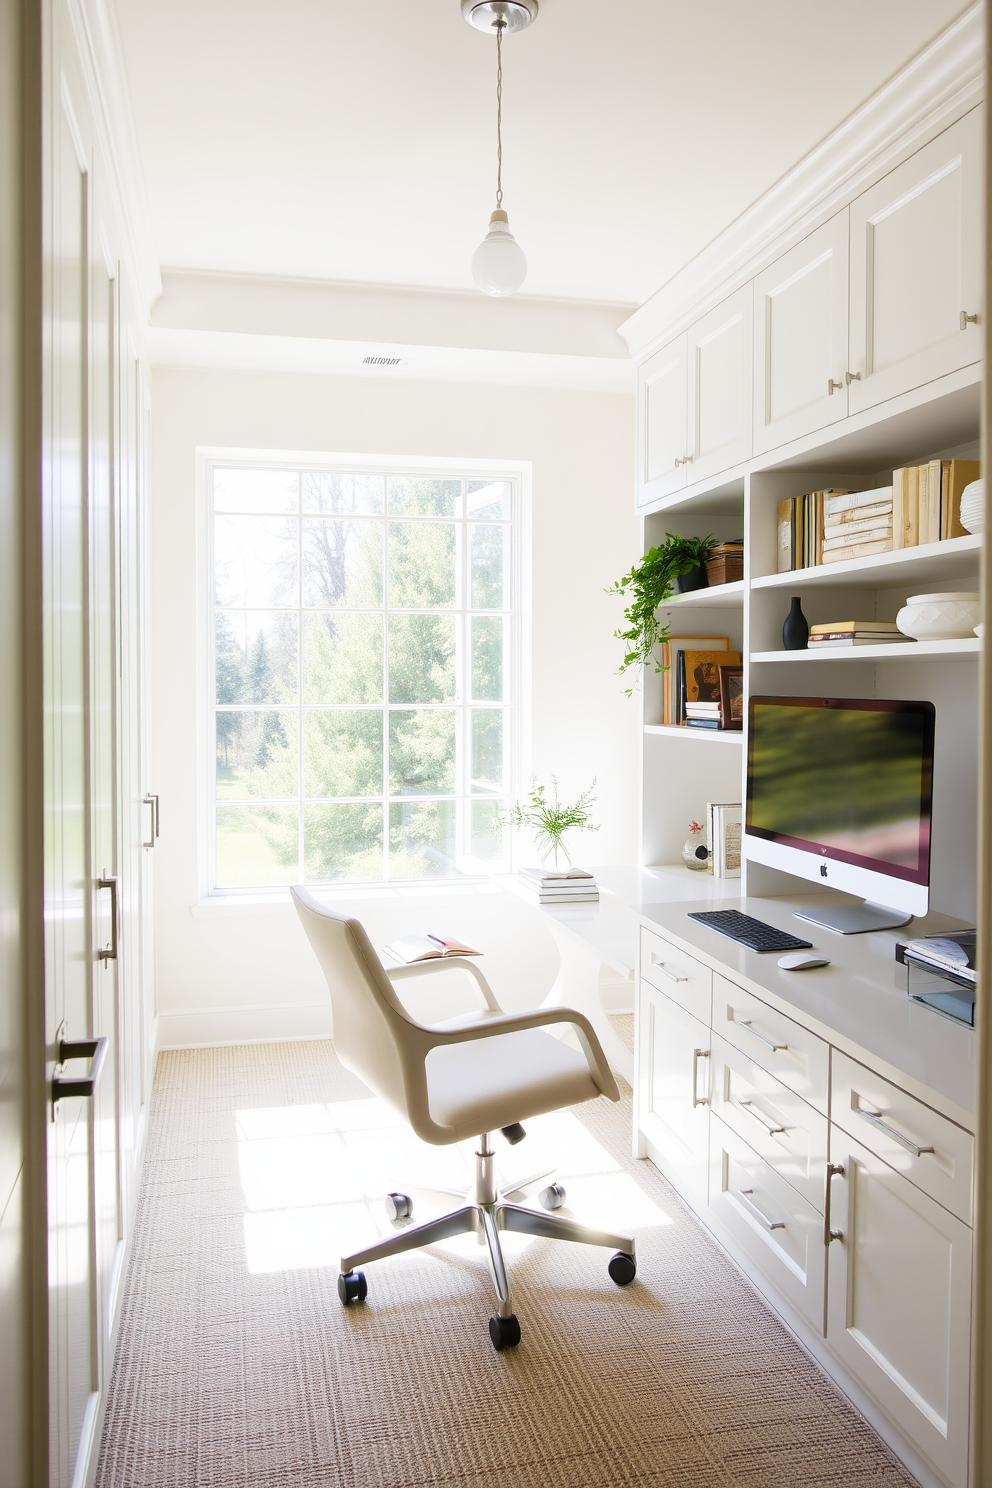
column 465, row 1077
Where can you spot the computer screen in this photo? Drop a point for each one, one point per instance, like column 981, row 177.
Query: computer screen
column 848, row 779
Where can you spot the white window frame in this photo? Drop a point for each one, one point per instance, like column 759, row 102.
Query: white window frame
column 518, row 474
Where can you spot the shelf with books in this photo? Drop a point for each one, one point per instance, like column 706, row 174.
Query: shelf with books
column 683, row 731
column 955, row 558
column 730, row 595
column 961, row 650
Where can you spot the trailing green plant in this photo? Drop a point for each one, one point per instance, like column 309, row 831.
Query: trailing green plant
column 650, row 583
column 550, row 820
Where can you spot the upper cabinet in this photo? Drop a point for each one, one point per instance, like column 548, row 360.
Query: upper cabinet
column 661, row 401
column 916, row 269
column 719, row 404
column 800, row 338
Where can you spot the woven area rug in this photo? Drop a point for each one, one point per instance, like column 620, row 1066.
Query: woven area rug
column 236, row 1364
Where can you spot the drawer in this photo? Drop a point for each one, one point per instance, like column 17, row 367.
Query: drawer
column 933, row 1153
column 797, row 1057
column 682, row 978
column 777, row 1230
column 789, row 1134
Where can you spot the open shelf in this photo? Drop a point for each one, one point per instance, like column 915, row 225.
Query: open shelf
column 680, row 731
column 729, row 595
column 901, row 651
column 957, row 557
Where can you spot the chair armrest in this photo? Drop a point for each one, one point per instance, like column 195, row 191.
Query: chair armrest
column 453, row 963
column 540, row 1018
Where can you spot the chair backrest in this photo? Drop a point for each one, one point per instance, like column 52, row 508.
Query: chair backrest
column 372, row 1032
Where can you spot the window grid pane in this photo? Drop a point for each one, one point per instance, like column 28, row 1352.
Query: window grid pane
column 361, row 682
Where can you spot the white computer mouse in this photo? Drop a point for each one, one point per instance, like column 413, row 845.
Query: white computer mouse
column 802, row 960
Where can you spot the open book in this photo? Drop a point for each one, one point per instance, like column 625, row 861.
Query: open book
column 410, row 948
column 553, row 875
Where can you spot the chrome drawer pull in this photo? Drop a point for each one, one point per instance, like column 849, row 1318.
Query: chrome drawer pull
column 833, row 1170
column 775, row 1048
column 874, row 1118
column 95, row 1050
column 750, row 1109
column 697, row 1055
column 665, row 971
column 770, row 1224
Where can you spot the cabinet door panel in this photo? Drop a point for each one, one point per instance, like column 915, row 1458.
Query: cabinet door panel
column 915, row 267
column 662, row 427
column 800, row 338
column 720, row 374
column 899, row 1301
column 673, row 1080
column 773, row 1225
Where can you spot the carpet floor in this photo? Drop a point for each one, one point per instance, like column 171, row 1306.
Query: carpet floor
column 237, row 1367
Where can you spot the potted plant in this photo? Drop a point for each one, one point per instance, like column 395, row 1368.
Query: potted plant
column 550, row 820
column 649, row 584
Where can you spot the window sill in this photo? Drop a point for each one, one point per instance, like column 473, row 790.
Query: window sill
column 278, row 902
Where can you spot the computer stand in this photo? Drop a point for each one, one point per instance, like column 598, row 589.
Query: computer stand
column 855, row 919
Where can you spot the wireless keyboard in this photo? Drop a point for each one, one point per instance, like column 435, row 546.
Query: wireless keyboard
column 754, row 934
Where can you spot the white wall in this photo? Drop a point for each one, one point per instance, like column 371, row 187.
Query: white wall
column 230, row 973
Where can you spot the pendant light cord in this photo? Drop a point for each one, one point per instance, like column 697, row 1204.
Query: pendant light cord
column 499, row 111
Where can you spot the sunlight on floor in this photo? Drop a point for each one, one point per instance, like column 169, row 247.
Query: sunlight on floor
column 314, row 1178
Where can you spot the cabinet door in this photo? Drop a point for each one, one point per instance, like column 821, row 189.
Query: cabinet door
column 800, row 338
column 915, row 268
column 899, row 1301
column 662, row 428
column 720, row 368
column 673, row 1090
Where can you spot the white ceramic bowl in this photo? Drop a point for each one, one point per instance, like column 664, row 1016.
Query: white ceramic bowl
column 939, row 617
column 973, row 506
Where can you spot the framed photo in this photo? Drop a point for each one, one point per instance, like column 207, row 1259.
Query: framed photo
column 732, row 696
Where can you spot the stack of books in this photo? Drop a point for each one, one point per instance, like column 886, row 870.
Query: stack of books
column 856, row 524
column 558, row 886
column 927, row 501
column 854, row 633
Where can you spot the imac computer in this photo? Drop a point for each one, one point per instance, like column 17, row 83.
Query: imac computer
column 839, row 791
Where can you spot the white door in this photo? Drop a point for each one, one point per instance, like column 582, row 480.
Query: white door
column 899, row 1301
column 720, row 376
column 674, row 1090
column 916, row 269
column 662, row 430
column 800, row 338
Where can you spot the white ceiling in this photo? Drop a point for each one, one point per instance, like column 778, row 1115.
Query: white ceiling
column 355, row 141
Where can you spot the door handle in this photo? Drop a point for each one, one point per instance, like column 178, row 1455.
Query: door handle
column 966, row 318
column 833, row 1171
column 750, row 1109
column 834, row 387
column 769, row 1224
column 662, row 967
column 65, row 1085
column 850, row 377
column 151, row 799
column 874, row 1118
column 697, row 1055
column 775, row 1048
column 110, row 953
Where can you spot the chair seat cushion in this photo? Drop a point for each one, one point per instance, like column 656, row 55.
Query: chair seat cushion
column 489, row 1083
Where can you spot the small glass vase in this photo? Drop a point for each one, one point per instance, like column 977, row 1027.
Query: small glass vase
column 695, row 853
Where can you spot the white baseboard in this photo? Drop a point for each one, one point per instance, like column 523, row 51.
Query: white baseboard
column 196, row 1028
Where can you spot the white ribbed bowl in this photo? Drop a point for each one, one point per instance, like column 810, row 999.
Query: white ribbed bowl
column 973, row 506
column 939, row 617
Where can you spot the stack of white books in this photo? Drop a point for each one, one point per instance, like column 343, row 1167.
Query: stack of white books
column 857, row 524
column 558, row 886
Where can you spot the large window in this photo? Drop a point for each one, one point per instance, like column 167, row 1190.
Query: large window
column 362, row 691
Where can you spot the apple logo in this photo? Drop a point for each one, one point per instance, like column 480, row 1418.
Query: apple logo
column 823, row 870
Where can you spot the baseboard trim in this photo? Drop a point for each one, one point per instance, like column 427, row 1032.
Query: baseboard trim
column 217, row 1027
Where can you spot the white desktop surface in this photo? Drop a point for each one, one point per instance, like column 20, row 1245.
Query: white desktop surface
column 858, row 1003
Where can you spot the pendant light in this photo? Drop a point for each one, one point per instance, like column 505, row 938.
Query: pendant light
column 499, row 266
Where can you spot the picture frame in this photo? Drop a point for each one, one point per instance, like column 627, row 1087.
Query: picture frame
column 732, row 696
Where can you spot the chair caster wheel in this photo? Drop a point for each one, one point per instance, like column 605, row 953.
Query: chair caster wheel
column 622, row 1268
column 398, row 1206
column 352, row 1286
column 551, row 1197
column 504, row 1332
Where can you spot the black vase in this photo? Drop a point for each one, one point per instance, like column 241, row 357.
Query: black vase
column 694, row 579
column 795, row 631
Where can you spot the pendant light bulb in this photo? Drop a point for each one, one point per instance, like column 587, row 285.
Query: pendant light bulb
column 499, row 265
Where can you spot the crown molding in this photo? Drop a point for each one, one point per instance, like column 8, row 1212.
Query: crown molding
column 941, row 82
column 98, row 39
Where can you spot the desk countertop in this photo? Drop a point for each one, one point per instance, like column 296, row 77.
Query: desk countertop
column 858, row 1002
